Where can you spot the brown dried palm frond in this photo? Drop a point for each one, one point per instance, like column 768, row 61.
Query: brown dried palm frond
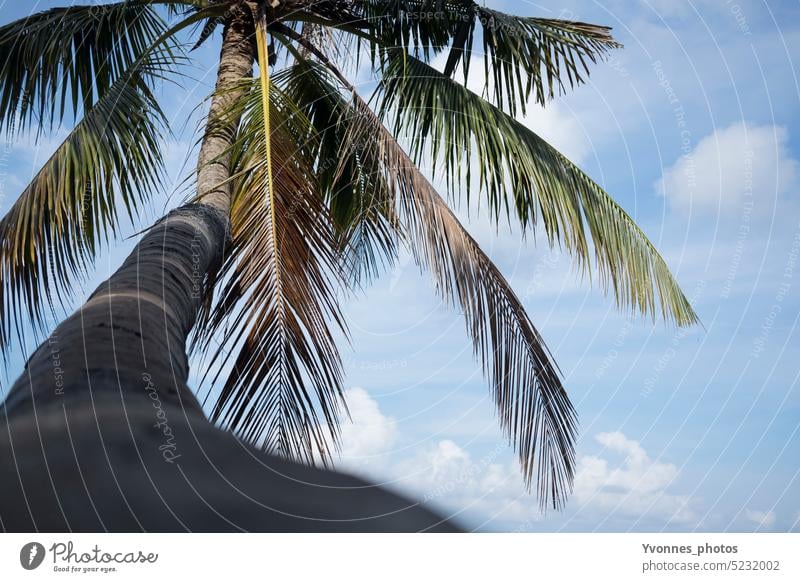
column 277, row 301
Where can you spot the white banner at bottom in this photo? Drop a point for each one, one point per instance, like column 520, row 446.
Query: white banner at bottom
column 406, row 557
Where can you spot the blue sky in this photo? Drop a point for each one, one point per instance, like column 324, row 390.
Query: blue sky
column 694, row 128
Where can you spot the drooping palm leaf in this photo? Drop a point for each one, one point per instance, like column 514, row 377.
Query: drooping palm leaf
column 521, row 170
column 61, row 61
column 534, row 409
column 278, row 298
column 425, row 27
column 213, row 12
column 52, row 230
column 535, row 56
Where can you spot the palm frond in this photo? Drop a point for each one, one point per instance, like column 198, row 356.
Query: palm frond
column 534, row 409
column 214, row 11
column 535, row 57
column 351, row 184
column 61, row 61
column 51, row 233
column 424, row 27
column 278, row 301
column 521, row 170
column 209, row 26
column 523, row 57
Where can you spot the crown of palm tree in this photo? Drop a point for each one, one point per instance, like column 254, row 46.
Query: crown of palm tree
column 324, row 194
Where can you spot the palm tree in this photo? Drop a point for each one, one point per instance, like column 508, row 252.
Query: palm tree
column 303, row 188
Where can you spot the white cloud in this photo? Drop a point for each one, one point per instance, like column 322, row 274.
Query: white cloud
column 368, row 438
column 763, row 519
column 447, row 476
column 443, row 474
column 636, row 487
column 739, row 164
column 488, row 491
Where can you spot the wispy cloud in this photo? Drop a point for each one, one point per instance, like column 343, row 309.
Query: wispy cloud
column 735, row 166
column 635, row 486
column 487, row 489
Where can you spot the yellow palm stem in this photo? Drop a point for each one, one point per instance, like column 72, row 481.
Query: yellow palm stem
column 263, row 72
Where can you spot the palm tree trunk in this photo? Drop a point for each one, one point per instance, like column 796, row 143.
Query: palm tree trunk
column 213, row 162
column 132, row 330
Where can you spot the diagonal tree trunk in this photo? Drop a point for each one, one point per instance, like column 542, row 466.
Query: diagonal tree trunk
column 137, row 321
column 101, row 431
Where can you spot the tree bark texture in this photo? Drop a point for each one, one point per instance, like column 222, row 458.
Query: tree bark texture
column 235, row 64
column 134, row 325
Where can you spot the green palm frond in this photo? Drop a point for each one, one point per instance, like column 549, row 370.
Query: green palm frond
column 533, row 57
column 50, row 234
column 213, row 12
column 523, row 57
column 425, row 27
column 277, row 302
column 61, row 61
column 519, row 169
